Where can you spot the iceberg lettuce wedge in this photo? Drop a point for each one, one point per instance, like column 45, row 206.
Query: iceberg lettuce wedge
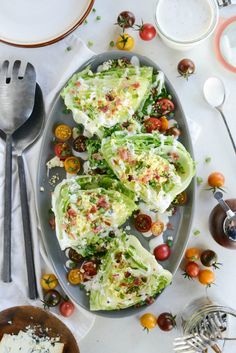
column 129, row 275
column 87, row 208
column 104, row 99
column 154, row 166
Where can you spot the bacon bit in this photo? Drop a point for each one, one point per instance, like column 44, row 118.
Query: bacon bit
column 115, row 275
column 130, row 178
column 104, row 109
column 97, row 229
column 118, row 102
column 64, row 226
column 107, row 223
column 124, row 284
column 170, row 226
column 52, row 223
column 136, row 281
column 125, row 155
column 93, row 209
column 71, row 213
column 72, row 91
column 127, row 274
column 136, row 85
column 77, row 84
column 103, row 203
column 174, row 156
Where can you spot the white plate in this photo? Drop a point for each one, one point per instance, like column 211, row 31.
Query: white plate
column 33, row 23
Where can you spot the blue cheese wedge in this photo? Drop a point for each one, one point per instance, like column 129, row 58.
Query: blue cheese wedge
column 28, row 342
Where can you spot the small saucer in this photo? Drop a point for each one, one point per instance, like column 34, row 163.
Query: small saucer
column 225, row 36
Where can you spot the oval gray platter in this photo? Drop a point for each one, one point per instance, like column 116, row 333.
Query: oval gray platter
column 181, row 220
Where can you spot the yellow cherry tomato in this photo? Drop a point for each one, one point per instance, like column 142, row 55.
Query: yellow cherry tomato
column 157, row 228
column 75, row 276
column 164, row 124
column 216, row 180
column 49, row 281
column 193, row 254
column 125, row 42
column 148, row 321
column 206, row 277
column 63, row 132
column 72, row 165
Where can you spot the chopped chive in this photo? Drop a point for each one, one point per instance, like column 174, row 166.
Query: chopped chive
column 85, row 22
column 196, row 232
column 90, row 43
column 199, row 180
column 68, row 48
column 207, row 159
column 94, row 10
column 66, row 111
column 98, row 18
column 112, row 43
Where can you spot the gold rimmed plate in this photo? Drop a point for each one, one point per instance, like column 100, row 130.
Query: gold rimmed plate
column 28, row 23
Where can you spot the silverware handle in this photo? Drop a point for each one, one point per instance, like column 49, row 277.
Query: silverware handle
column 6, row 274
column 29, row 252
column 228, row 129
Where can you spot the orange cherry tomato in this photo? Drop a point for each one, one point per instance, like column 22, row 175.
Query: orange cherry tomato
column 72, row 165
column 75, row 276
column 148, row 321
column 63, row 132
column 206, row 277
column 216, row 180
column 157, row 228
column 193, row 254
column 164, row 124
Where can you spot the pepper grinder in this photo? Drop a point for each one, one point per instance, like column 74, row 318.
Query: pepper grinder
column 222, row 221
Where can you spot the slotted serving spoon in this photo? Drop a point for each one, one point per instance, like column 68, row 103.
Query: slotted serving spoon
column 17, row 94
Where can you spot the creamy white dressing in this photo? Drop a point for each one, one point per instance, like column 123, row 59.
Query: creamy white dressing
column 185, row 20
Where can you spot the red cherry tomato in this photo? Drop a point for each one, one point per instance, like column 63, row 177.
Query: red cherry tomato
column 164, row 106
column 152, row 124
column 147, row 31
column 66, row 308
column 143, row 223
column 62, row 150
column 89, row 269
column 162, row 252
column 192, row 269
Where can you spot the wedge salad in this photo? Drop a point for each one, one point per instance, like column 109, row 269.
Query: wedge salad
column 133, row 171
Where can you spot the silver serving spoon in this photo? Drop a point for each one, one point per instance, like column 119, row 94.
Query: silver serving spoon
column 17, row 93
column 22, row 139
column 214, row 93
column 229, row 225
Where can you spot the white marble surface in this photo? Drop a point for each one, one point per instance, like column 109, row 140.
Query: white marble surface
column 126, row 335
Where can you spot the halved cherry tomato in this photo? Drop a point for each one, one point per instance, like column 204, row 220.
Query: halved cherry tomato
column 89, row 269
column 79, row 144
column 143, row 223
column 75, row 276
column 192, row 254
column 49, row 281
column 125, row 42
column 62, row 150
column 63, row 132
column 216, row 180
column 181, row 199
column 164, row 124
column 206, row 277
column 148, row 321
column 162, row 252
column 74, row 256
column 157, row 228
column 152, row 124
column 72, row 165
column 164, row 106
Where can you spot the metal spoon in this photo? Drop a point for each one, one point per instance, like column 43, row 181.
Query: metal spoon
column 230, row 220
column 22, row 139
column 16, row 104
column 214, row 93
